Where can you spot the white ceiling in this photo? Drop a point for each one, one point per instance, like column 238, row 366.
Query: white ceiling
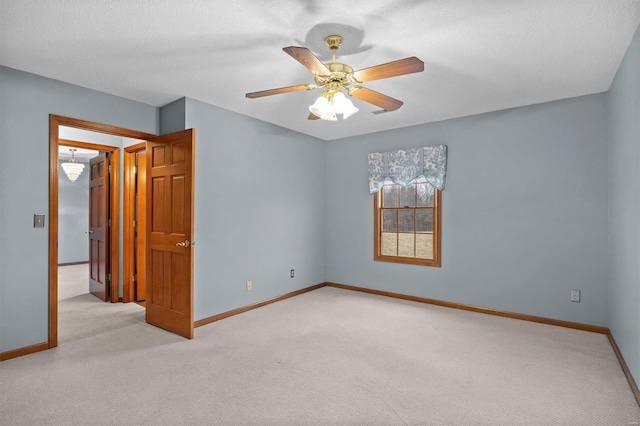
column 81, row 155
column 480, row 55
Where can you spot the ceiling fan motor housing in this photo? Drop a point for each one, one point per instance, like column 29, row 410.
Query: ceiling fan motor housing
column 342, row 74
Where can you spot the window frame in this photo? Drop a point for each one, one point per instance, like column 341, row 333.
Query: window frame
column 437, row 234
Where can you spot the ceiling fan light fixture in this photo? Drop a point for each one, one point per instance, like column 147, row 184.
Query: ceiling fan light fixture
column 71, row 168
column 339, row 101
column 321, row 107
column 331, row 116
column 349, row 110
column 329, row 104
column 343, row 105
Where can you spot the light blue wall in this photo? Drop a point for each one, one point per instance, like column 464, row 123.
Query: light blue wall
column 25, row 104
column 82, row 135
column 259, row 209
column 172, row 116
column 623, row 132
column 524, row 211
column 73, row 217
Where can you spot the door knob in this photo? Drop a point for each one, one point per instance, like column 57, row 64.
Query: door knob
column 184, row 243
column 91, row 232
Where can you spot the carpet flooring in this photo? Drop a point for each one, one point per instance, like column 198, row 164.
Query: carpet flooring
column 327, row 357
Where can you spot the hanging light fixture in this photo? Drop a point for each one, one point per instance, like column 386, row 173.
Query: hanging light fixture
column 343, row 105
column 333, row 102
column 72, row 168
column 322, row 107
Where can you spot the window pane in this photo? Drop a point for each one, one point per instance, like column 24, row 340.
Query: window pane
column 408, row 196
column 389, row 221
column 406, row 245
column 405, row 220
column 424, row 220
column 406, row 225
column 424, row 246
column 426, row 195
column 389, row 244
column 390, row 197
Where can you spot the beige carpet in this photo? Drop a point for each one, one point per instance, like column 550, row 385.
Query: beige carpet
column 73, row 280
column 328, row 357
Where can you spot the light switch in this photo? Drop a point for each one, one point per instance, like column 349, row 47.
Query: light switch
column 38, row 221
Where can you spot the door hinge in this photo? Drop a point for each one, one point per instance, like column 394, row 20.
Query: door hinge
column 109, row 168
column 134, row 278
column 135, row 170
column 108, row 277
column 134, row 223
column 108, row 222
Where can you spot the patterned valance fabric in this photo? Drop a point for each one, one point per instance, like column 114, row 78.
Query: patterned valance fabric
column 404, row 166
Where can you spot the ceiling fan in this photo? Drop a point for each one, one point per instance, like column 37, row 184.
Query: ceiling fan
column 335, row 76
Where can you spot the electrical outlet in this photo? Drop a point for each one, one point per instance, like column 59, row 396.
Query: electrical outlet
column 249, row 286
column 292, row 274
column 575, row 295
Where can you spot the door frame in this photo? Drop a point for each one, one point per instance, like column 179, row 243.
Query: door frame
column 112, row 238
column 55, row 121
column 113, row 159
column 128, row 231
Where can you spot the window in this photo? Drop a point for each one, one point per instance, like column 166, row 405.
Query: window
column 407, row 223
column 406, row 185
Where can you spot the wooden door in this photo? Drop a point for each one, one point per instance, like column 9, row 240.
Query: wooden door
column 141, row 227
column 170, row 171
column 99, row 227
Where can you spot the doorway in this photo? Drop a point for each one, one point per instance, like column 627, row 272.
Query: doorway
column 110, row 274
column 74, row 231
column 168, row 240
column 102, row 229
column 135, row 224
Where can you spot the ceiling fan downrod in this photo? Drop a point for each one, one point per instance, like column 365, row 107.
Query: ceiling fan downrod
column 333, row 42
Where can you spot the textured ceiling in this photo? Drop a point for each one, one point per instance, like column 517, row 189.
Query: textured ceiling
column 480, row 55
column 81, row 155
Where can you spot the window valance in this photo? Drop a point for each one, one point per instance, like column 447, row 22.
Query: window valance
column 404, row 166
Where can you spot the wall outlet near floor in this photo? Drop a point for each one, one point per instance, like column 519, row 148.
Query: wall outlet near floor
column 575, row 295
column 249, row 286
column 292, row 274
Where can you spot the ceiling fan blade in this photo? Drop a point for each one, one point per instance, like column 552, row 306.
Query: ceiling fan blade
column 312, row 116
column 390, row 69
column 308, row 59
column 287, row 89
column 378, row 99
